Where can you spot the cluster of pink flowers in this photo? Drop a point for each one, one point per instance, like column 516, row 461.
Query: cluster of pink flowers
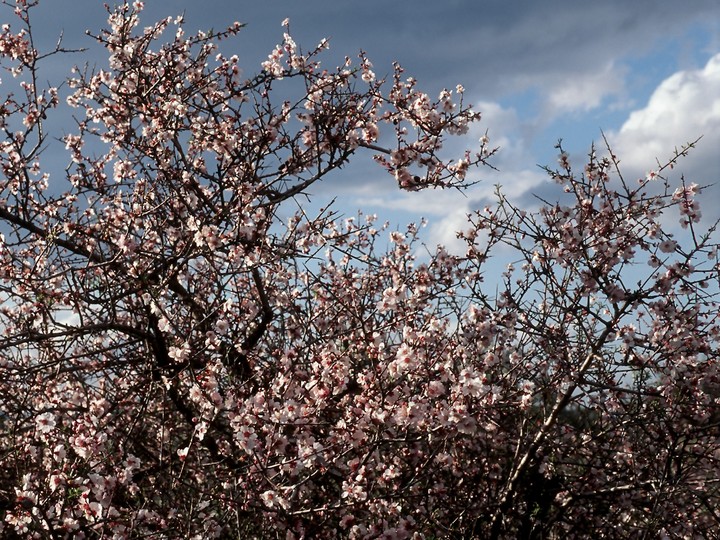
column 176, row 361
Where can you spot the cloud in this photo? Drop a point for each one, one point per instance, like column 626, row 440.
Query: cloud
column 682, row 108
column 559, row 47
column 584, row 91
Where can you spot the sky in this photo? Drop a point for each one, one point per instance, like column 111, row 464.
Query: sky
column 645, row 73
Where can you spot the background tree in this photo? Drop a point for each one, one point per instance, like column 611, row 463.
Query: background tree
column 179, row 360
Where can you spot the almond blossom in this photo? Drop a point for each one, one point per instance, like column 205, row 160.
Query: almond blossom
column 185, row 352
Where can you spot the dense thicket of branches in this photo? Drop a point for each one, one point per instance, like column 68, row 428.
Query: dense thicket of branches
column 176, row 361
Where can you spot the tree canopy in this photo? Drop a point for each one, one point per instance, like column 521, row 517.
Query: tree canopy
column 179, row 360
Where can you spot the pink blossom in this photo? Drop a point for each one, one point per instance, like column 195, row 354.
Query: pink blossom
column 186, row 347
column 667, row 246
column 45, row 422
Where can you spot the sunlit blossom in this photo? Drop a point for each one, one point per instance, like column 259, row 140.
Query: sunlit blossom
column 188, row 348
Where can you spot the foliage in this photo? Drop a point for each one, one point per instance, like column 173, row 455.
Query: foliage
column 179, row 362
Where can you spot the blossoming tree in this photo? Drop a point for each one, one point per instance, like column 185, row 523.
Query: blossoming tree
column 178, row 361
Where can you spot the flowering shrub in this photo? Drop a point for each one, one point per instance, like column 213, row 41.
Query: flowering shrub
column 177, row 362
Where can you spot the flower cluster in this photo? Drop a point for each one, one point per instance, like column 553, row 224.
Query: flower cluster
column 176, row 359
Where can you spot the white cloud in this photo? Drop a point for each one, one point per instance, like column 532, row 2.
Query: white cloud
column 584, row 91
column 683, row 107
